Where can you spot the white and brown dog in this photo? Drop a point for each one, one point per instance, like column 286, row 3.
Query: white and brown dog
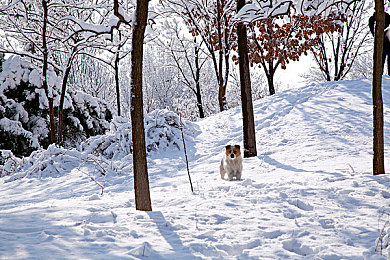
column 231, row 162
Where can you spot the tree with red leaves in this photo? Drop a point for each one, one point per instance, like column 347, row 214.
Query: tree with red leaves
column 274, row 42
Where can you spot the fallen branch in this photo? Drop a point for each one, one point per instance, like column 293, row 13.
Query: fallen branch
column 92, row 178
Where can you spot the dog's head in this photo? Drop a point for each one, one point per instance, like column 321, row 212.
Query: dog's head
column 232, row 151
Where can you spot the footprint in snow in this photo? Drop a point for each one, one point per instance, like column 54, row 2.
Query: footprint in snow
column 301, row 205
column 386, row 194
column 272, row 234
column 327, row 223
column 295, row 246
column 291, row 214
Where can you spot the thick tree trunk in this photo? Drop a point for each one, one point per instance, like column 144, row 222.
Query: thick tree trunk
column 44, row 72
column 246, row 92
column 378, row 161
column 141, row 181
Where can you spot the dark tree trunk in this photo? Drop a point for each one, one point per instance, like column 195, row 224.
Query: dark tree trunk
column 221, row 85
column 197, row 83
column 270, row 78
column 246, row 92
column 118, row 95
column 378, row 161
column 141, row 181
column 44, row 72
column 271, row 86
column 62, row 100
column 1, row 61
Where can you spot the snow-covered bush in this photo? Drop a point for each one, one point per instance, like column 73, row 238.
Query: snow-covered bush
column 24, row 109
column 162, row 130
column 107, row 153
column 115, row 144
column 8, row 163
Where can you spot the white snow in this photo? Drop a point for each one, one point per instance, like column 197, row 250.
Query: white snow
column 309, row 194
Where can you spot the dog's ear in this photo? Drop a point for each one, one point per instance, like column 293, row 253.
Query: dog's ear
column 228, row 147
column 237, row 146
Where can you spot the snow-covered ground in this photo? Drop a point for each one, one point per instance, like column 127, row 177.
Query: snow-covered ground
column 309, row 194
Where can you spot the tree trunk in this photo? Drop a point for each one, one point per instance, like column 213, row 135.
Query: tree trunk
column 246, row 92
column 118, row 95
column 221, row 95
column 378, row 161
column 1, row 61
column 221, row 85
column 141, row 181
column 197, row 83
column 44, row 72
column 62, row 100
column 271, row 86
column 270, row 78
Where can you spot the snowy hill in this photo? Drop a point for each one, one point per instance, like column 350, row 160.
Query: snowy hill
column 309, row 193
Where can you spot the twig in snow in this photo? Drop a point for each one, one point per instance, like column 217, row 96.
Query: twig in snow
column 93, row 179
column 380, row 238
column 185, row 153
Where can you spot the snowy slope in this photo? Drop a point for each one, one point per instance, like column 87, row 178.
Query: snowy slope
column 309, row 193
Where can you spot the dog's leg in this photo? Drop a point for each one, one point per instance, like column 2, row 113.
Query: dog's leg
column 238, row 175
column 222, row 170
column 230, row 175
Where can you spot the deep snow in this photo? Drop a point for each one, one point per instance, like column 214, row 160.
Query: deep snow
column 309, row 194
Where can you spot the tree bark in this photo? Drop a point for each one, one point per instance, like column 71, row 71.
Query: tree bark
column 246, row 92
column 62, row 101
column 197, row 82
column 271, row 86
column 221, row 85
column 44, row 72
column 270, row 78
column 141, row 181
column 378, row 161
column 118, row 95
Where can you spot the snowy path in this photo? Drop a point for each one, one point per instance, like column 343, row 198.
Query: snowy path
column 309, row 193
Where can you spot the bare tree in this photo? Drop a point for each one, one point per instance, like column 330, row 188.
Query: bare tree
column 141, row 182
column 246, row 91
column 213, row 22
column 186, row 55
column 336, row 53
column 378, row 145
column 45, row 53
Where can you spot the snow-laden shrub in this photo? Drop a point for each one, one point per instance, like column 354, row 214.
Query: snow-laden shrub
column 115, row 144
column 8, row 163
column 108, row 153
column 162, row 131
column 24, row 125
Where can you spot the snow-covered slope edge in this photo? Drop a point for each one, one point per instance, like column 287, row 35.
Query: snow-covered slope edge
column 309, row 193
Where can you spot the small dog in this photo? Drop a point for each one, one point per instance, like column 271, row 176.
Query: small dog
column 231, row 163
